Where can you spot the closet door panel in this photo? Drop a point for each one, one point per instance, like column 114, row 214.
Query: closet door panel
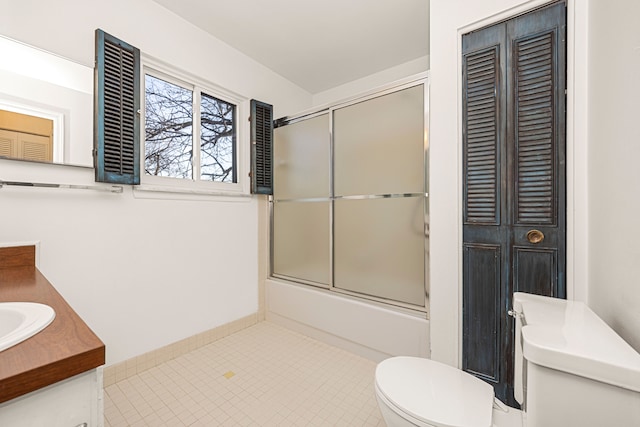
column 514, row 181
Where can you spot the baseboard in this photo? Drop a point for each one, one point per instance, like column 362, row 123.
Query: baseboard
column 120, row 371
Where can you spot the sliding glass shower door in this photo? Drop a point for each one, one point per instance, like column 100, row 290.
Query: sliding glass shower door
column 350, row 198
column 302, row 201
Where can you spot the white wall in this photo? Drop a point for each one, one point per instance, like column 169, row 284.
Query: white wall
column 614, row 173
column 449, row 19
column 67, row 27
column 142, row 273
column 372, row 81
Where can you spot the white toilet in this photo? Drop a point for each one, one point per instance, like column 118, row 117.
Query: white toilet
column 571, row 369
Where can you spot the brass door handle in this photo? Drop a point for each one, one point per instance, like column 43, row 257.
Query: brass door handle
column 535, row 236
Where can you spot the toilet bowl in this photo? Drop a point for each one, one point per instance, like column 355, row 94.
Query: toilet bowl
column 571, row 369
column 413, row 391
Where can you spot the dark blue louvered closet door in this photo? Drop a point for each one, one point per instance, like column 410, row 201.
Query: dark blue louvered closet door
column 514, row 221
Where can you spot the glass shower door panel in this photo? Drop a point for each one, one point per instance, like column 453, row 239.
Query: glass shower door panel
column 379, row 145
column 379, row 248
column 301, row 159
column 301, row 241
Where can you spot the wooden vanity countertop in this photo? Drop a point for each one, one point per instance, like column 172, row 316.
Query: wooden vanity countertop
column 65, row 348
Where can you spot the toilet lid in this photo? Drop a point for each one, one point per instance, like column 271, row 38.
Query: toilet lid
column 435, row 393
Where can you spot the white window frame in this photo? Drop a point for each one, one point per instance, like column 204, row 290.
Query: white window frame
column 171, row 74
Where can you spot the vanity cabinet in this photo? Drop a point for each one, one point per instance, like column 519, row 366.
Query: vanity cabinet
column 54, row 378
column 74, row 402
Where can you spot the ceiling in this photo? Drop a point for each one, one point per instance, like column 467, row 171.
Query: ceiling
column 318, row 44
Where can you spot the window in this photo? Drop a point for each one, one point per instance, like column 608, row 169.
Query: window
column 191, row 128
column 189, row 133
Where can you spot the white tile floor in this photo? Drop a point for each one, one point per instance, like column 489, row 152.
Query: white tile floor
column 264, row 375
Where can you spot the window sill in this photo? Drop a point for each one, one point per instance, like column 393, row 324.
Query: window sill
column 146, row 191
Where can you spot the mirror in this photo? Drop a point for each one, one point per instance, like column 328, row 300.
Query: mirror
column 46, row 106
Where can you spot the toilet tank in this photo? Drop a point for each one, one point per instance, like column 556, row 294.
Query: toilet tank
column 571, row 368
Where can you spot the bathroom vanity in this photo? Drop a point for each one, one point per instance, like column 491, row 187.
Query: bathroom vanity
column 53, row 378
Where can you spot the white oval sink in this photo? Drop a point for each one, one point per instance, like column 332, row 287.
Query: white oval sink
column 21, row 320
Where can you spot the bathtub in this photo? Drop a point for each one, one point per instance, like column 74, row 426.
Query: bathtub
column 369, row 329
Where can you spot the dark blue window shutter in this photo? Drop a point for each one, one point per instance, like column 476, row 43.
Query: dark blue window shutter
column 116, row 110
column 261, row 148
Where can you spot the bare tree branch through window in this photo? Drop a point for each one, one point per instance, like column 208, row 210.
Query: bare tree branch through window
column 170, row 130
column 217, row 140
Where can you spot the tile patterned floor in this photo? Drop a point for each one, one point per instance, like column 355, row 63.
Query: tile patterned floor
column 264, row 375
